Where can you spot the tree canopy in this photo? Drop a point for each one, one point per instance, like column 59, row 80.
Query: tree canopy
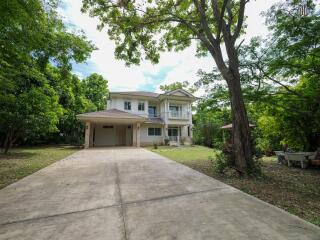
column 39, row 96
column 177, row 85
column 280, row 80
column 96, row 90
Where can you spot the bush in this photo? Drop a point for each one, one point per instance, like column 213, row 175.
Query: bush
column 220, row 162
column 155, row 145
column 166, row 141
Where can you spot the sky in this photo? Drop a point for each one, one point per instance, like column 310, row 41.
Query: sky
column 172, row 67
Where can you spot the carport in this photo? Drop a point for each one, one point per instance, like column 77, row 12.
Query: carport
column 111, row 128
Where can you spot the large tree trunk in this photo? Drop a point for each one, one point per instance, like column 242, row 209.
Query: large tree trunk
column 241, row 139
column 9, row 141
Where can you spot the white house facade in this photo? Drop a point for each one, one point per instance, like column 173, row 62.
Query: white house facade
column 140, row 119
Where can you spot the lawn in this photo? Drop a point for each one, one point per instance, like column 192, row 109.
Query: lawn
column 292, row 189
column 21, row 162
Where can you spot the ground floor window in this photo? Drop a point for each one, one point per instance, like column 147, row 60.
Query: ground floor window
column 154, row 131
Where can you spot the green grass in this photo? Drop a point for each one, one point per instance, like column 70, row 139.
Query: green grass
column 21, row 162
column 292, row 189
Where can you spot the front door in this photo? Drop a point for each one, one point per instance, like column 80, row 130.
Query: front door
column 173, row 133
column 121, row 135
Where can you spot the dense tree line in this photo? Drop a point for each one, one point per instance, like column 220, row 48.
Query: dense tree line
column 280, row 78
column 39, row 95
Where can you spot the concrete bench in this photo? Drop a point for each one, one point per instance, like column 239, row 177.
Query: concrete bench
column 300, row 157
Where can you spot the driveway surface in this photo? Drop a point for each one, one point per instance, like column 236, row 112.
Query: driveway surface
column 134, row 194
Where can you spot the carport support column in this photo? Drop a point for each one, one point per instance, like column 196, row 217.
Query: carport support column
column 138, row 134
column 87, row 135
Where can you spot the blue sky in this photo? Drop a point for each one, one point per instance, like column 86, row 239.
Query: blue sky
column 173, row 66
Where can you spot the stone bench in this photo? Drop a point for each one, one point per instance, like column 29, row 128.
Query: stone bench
column 300, row 157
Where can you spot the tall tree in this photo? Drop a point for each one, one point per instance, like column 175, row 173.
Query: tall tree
column 144, row 29
column 95, row 89
column 287, row 64
column 31, row 37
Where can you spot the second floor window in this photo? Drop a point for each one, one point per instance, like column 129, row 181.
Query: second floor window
column 141, row 106
column 175, row 111
column 127, row 105
column 152, row 111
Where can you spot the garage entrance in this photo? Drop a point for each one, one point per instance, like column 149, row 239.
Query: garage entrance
column 112, row 135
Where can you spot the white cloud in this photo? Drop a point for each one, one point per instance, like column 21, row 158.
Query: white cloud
column 121, row 77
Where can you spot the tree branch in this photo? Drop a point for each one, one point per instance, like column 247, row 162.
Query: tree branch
column 240, row 20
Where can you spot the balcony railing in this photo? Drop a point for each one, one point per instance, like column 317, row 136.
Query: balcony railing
column 178, row 115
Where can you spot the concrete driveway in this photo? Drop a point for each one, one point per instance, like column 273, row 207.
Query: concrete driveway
column 134, row 194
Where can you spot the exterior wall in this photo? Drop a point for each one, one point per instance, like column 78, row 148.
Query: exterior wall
column 149, row 140
column 118, row 103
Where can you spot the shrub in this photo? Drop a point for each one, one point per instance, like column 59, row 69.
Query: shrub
column 220, row 162
column 166, row 141
column 155, row 145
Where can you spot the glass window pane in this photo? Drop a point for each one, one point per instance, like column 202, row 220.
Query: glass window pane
column 141, row 106
column 152, row 111
column 151, row 131
column 157, row 131
column 127, row 105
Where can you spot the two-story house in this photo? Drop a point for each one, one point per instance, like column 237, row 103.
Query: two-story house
column 140, row 119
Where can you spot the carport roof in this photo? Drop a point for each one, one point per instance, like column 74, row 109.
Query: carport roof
column 111, row 113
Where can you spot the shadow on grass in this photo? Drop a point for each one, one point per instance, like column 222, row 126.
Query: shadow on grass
column 16, row 155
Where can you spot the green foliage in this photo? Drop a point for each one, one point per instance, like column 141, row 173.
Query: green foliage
column 213, row 112
column 95, row 89
column 178, row 85
column 166, row 141
column 144, row 30
column 280, row 81
column 39, row 97
column 155, row 145
column 29, row 106
column 220, row 162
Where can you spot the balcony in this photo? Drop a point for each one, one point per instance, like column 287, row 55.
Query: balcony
column 179, row 115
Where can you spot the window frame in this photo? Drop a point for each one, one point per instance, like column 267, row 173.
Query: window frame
column 153, row 133
column 154, row 112
column 128, row 105
column 143, row 106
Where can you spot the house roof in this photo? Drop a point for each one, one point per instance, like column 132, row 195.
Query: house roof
column 111, row 113
column 155, row 95
column 138, row 93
